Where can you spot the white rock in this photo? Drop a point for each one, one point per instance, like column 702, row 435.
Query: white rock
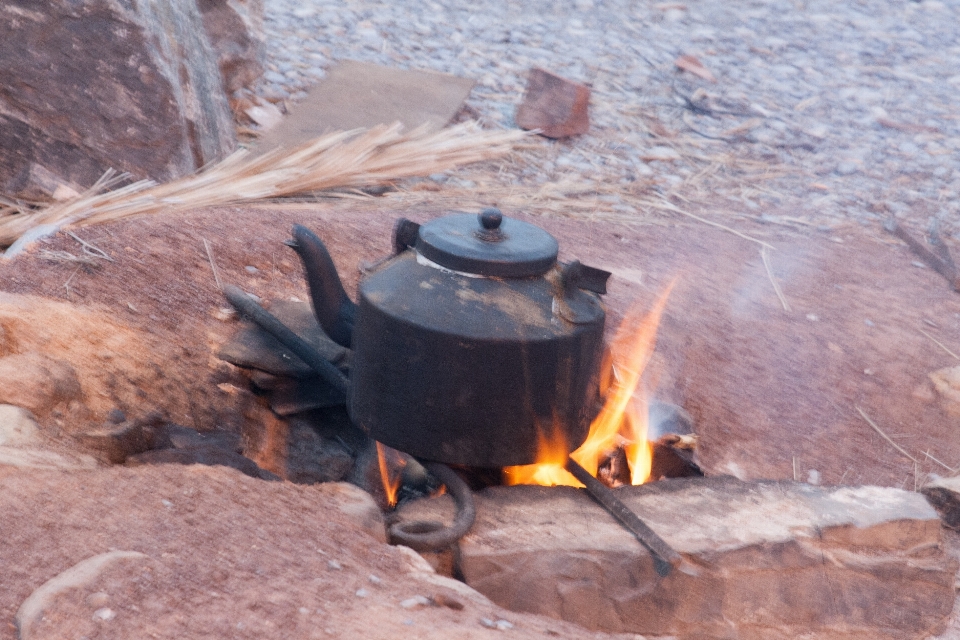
column 104, row 614
column 414, row 602
column 17, row 426
column 79, row 575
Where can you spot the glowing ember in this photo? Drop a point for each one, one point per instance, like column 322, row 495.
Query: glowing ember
column 623, row 418
column 390, row 459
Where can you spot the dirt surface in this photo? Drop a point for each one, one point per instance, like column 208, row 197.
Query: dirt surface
column 774, row 393
column 766, row 386
column 226, row 557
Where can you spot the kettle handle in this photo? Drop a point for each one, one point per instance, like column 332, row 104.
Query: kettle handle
column 576, row 275
column 405, row 233
column 429, row 535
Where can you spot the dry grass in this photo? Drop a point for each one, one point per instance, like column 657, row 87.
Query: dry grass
column 346, row 159
column 338, row 164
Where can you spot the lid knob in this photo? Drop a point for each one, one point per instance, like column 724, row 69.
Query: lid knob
column 490, row 221
column 490, row 218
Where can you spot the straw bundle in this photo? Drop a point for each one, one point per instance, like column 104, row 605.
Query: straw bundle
column 344, row 159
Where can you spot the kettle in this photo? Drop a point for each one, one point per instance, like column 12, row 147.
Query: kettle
column 471, row 343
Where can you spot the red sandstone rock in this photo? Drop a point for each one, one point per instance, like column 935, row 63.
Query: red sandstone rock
column 97, row 85
column 235, row 30
column 37, row 382
column 555, row 105
column 228, row 556
column 771, row 560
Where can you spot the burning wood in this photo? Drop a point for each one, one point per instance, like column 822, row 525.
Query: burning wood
column 622, row 423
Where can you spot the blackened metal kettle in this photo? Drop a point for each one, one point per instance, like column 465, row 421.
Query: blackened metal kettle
column 471, row 343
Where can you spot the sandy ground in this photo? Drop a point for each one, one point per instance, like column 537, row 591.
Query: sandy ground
column 226, row 556
column 774, row 394
column 769, row 388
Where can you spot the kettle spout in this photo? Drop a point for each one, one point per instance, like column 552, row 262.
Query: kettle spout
column 333, row 309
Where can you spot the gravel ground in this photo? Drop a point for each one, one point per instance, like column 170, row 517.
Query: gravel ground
column 823, row 113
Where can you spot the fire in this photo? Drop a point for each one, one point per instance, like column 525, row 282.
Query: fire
column 552, row 453
column 389, row 458
column 623, row 418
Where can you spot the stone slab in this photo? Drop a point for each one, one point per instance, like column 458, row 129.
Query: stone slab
column 235, row 31
column 771, row 560
column 362, row 95
column 556, row 106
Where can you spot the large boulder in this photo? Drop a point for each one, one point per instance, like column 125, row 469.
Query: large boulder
column 235, row 29
column 99, row 84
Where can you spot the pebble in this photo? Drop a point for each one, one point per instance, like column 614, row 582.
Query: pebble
column 362, row 593
column 502, row 625
column 104, row 614
column 872, row 82
column 333, row 564
column 98, row 600
column 414, row 602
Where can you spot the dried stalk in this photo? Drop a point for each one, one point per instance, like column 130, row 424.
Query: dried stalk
column 773, row 281
column 885, row 436
column 942, row 464
column 939, row 344
column 345, row 159
column 213, row 263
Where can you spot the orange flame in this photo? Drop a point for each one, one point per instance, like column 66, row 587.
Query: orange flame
column 388, row 458
column 623, row 417
column 550, row 469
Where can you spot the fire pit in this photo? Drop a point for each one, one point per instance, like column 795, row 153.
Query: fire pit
column 472, row 345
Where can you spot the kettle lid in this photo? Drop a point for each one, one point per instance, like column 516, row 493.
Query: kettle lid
column 488, row 245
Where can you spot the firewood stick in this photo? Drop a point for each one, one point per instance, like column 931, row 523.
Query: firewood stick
column 247, row 306
column 664, row 557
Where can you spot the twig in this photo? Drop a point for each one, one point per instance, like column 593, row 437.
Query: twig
column 942, row 266
column 773, row 281
column 703, row 134
column 794, row 468
column 942, row 464
column 885, row 436
column 66, row 285
column 706, row 110
column 669, row 206
column 938, row 343
column 89, row 248
column 66, row 256
column 213, row 264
